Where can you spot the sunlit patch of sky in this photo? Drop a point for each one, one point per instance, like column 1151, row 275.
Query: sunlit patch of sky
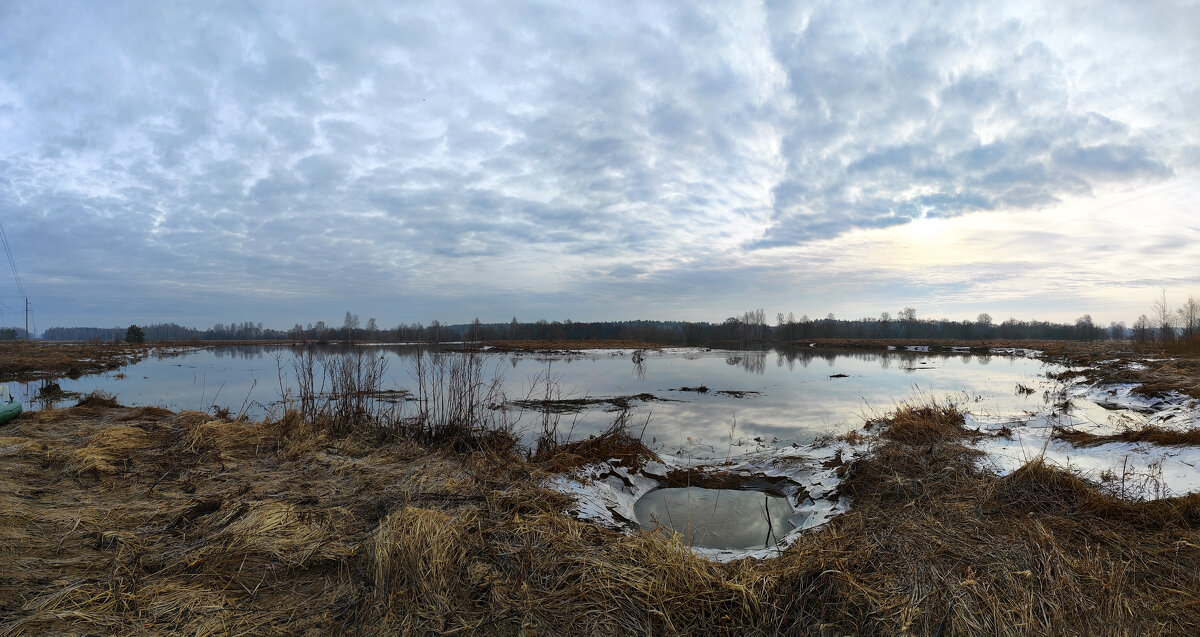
column 284, row 163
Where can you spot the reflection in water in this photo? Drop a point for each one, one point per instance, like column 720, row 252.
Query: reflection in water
column 793, row 402
column 717, row 519
column 751, row 362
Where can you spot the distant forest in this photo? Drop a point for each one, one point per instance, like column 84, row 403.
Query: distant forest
column 751, row 326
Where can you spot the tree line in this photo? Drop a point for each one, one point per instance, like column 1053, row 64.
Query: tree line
column 1172, row 325
column 1174, row 328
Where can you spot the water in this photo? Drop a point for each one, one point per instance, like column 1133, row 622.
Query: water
column 717, row 518
column 798, row 396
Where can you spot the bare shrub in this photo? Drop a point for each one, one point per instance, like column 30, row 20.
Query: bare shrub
column 458, row 403
column 339, row 393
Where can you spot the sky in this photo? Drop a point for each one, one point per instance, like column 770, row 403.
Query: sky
column 286, row 162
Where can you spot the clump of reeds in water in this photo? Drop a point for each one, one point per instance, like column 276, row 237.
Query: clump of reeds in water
column 456, row 401
column 98, row 398
column 337, row 392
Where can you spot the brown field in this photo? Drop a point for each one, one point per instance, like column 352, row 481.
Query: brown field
column 21, row 360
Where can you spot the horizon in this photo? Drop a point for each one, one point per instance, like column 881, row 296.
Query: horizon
column 201, row 164
column 383, row 327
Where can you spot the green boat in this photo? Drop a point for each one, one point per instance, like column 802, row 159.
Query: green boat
column 9, row 406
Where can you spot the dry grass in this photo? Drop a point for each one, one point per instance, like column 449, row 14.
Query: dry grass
column 1149, row 433
column 916, row 424
column 20, row 360
column 1157, row 374
column 619, row 443
column 272, row 528
column 111, row 449
column 1043, row 487
column 98, row 398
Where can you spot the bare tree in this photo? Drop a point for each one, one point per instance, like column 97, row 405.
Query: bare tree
column 1189, row 317
column 1142, row 329
column 350, row 324
column 907, row 317
column 1084, row 328
column 1163, row 317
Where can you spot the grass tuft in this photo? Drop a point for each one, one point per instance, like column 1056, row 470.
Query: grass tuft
column 918, row 424
column 615, row 444
column 98, row 398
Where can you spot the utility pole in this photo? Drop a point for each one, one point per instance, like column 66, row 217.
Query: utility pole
column 26, row 319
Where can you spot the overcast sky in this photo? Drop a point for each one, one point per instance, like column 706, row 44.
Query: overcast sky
column 205, row 162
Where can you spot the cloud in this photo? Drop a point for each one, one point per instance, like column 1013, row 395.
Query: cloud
column 895, row 120
column 255, row 157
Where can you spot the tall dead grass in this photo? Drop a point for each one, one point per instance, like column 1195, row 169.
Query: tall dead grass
column 337, row 392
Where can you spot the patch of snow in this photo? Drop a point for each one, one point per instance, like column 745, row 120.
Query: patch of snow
column 1173, row 410
column 605, row 494
column 1023, row 352
column 1139, row 471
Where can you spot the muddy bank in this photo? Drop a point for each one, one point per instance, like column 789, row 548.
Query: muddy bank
column 27, row 361
column 561, row 347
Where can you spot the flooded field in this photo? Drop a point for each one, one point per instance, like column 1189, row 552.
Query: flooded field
column 700, row 403
column 1004, row 457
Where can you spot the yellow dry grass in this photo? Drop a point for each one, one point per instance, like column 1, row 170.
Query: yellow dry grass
column 110, row 450
column 191, row 525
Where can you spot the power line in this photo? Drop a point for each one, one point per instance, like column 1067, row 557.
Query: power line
column 12, row 264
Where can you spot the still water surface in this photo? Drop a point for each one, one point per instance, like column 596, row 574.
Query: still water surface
column 795, row 394
column 717, row 518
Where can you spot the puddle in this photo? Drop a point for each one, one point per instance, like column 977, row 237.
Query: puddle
column 717, row 518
